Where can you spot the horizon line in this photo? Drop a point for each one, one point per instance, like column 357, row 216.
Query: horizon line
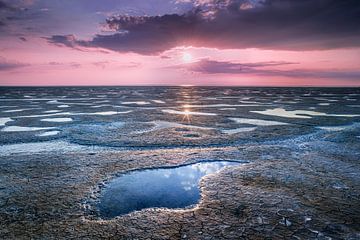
column 221, row 86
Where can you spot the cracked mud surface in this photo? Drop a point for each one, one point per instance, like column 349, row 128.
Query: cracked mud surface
column 300, row 182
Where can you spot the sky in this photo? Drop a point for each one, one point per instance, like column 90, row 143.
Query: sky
column 180, row 42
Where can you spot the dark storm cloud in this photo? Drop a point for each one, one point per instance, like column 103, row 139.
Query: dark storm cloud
column 207, row 66
column 23, row 17
column 232, row 24
column 63, row 40
column 4, row 5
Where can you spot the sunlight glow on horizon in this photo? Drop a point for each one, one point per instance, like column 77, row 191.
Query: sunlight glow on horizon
column 45, row 49
column 187, row 57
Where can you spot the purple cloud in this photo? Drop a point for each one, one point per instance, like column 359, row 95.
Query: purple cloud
column 268, row 24
column 207, row 66
column 63, row 40
column 4, row 5
column 7, row 65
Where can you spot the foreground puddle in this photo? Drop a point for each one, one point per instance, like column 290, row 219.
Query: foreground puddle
column 163, row 187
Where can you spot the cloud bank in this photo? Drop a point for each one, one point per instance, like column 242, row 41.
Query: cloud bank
column 234, row 24
column 207, row 66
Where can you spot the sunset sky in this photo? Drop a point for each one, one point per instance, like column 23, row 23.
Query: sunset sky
column 178, row 42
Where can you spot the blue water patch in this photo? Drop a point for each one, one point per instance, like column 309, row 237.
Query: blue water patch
column 176, row 187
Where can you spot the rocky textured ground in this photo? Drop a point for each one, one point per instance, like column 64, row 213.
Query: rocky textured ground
column 300, row 182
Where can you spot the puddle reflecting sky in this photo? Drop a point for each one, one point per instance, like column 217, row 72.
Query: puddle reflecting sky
column 163, row 187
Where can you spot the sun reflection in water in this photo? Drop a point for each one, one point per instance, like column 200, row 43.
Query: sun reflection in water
column 187, row 115
column 186, row 95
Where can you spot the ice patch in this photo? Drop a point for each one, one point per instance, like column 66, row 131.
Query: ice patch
column 50, row 133
column 158, row 101
column 103, row 101
column 257, row 122
column 251, row 102
column 340, row 185
column 24, row 129
column 18, row 110
column 76, row 114
column 136, row 103
column 158, row 125
column 220, row 105
column 52, row 111
column 188, row 112
column 44, row 147
column 280, row 112
column 3, row 121
column 333, row 128
column 324, row 104
column 238, row 130
column 47, row 115
column 6, row 106
column 63, row 106
column 51, row 100
column 57, row 120
column 104, row 113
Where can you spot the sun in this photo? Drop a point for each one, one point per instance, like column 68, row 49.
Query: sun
column 187, row 57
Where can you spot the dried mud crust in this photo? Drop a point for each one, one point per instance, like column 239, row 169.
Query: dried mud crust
column 179, row 136
column 283, row 193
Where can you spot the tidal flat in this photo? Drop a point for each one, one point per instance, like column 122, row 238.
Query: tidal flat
column 297, row 155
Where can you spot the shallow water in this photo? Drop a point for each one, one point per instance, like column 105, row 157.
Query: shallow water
column 176, row 187
column 173, row 116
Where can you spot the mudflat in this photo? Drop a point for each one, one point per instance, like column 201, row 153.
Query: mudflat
column 298, row 175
